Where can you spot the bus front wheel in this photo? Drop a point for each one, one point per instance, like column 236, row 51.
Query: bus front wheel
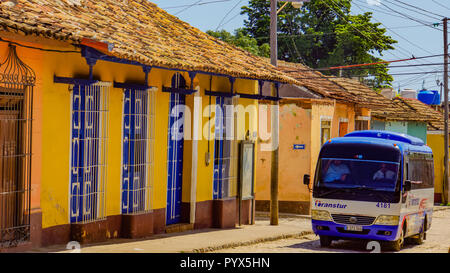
column 398, row 245
column 325, row 241
column 419, row 238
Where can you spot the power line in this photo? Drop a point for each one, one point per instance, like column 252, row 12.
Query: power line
column 226, row 15
column 409, row 5
column 399, row 34
column 38, row 48
column 188, row 7
column 398, row 46
column 440, row 4
column 394, row 66
column 383, row 10
column 373, row 75
column 428, row 24
column 231, row 19
column 199, row 4
column 358, row 29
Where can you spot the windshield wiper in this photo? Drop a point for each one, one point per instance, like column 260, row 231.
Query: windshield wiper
column 372, row 192
column 331, row 191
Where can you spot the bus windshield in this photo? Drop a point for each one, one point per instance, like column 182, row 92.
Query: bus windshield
column 357, row 174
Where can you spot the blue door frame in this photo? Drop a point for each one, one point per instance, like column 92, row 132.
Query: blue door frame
column 175, row 162
column 175, row 152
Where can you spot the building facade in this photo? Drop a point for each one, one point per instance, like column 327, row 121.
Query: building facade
column 110, row 130
column 314, row 110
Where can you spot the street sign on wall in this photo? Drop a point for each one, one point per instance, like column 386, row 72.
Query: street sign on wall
column 299, row 146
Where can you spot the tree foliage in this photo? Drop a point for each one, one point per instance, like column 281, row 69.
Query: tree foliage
column 242, row 40
column 323, row 33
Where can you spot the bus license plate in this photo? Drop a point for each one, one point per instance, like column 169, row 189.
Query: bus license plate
column 353, row 228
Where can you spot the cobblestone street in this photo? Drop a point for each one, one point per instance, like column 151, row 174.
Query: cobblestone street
column 438, row 241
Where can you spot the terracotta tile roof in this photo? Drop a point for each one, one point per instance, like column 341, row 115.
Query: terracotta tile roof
column 435, row 118
column 363, row 94
column 314, row 80
column 340, row 89
column 139, row 31
column 404, row 109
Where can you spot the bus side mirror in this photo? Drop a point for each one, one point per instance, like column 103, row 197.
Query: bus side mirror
column 407, row 185
column 306, row 179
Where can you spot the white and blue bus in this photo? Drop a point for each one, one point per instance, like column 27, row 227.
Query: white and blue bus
column 373, row 185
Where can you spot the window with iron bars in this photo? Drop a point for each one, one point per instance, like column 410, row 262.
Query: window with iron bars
column 16, row 98
column 138, row 150
column 225, row 149
column 89, row 152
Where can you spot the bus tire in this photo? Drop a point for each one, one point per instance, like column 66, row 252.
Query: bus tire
column 398, row 244
column 419, row 238
column 325, row 241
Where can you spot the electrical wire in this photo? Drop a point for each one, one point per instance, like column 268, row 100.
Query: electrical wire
column 437, row 3
column 358, row 29
column 39, row 48
column 398, row 34
column 199, row 4
column 372, row 75
column 383, row 10
column 423, row 14
column 409, row 5
column 399, row 47
column 226, row 15
column 188, row 7
column 428, row 24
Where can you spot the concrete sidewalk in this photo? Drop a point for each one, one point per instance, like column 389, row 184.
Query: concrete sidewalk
column 201, row 240
column 205, row 240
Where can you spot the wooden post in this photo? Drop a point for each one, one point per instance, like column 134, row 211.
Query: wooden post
column 446, row 192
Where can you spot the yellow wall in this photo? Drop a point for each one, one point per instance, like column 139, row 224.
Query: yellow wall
column 52, row 136
column 294, row 164
column 319, row 109
column 436, row 142
column 342, row 111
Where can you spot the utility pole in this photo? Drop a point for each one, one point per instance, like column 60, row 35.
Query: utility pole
column 274, row 119
column 275, row 109
column 446, row 192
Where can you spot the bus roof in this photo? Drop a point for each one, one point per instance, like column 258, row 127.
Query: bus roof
column 387, row 135
column 402, row 141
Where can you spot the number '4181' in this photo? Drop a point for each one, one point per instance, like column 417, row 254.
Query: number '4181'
column 383, row 205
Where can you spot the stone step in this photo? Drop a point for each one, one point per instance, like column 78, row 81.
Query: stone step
column 179, row 227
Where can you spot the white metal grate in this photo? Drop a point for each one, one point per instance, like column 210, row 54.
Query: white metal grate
column 89, row 152
column 138, row 150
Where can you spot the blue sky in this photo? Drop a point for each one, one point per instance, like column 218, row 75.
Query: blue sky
column 415, row 35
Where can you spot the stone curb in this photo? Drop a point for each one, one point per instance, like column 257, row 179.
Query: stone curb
column 282, row 215
column 252, row 242
column 437, row 208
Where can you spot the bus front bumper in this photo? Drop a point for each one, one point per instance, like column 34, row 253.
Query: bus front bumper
column 372, row 232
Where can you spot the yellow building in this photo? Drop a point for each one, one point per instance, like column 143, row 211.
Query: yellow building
column 119, row 114
column 313, row 110
column 435, row 139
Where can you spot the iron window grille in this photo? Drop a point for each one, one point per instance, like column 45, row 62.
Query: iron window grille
column 16, row 99
column 225, row 149
column 138, row 150
column 89, row 152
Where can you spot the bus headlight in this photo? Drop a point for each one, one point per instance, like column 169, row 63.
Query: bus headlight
column 389, row 220
column 321, row 215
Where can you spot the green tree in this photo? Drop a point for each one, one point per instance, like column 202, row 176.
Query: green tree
column 242, row 40
column 323, row 33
